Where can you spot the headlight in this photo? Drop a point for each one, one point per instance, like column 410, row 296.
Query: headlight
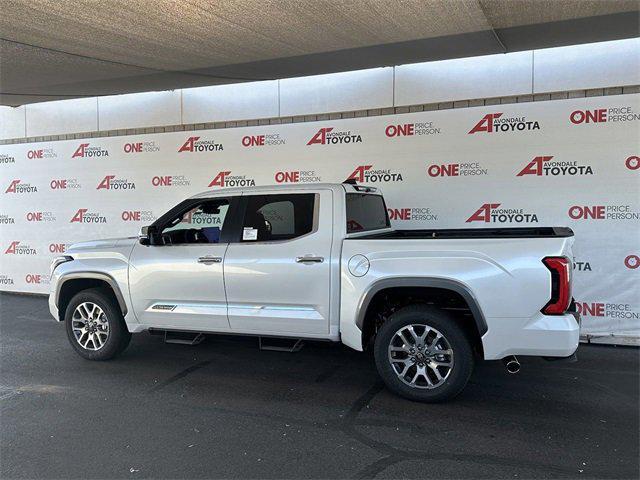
column 59, row 261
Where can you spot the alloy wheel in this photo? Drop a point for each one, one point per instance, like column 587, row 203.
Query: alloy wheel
column 420, row 356
column 90, row 326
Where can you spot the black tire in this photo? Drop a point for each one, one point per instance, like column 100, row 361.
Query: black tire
column 441, row 321
column 118, row 337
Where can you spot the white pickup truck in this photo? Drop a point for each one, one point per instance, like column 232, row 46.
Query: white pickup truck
column 321, row 261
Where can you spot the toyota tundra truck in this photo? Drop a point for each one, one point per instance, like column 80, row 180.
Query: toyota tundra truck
column 322, row 262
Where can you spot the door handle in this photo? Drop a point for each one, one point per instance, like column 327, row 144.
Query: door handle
column 208, row 259
column 309, row 259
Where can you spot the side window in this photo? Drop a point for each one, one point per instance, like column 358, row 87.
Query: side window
column 201, row 223
column 278, row 217
column 366, row 212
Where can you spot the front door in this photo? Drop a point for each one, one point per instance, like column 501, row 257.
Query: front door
column 277, row 274
column 177, row 281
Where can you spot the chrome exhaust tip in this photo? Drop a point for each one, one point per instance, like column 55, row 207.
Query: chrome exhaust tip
column 511, row 363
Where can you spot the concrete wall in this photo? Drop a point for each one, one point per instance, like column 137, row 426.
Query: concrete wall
column 521, row 74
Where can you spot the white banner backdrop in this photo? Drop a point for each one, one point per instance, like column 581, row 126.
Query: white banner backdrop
column 556, row 163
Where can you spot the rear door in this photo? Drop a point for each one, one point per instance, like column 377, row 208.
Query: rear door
column 277, row 273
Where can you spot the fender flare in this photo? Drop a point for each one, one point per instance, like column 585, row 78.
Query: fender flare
column 443, row 283
column 95, row 276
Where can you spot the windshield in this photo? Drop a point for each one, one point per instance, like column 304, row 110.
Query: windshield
column 366, row 212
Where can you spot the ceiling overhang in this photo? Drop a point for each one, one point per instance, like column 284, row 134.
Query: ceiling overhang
column 71, row 75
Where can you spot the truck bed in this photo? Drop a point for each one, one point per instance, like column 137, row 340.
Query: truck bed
column 520, row 232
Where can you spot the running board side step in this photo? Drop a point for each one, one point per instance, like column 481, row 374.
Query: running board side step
column 273, row 344
column 183, row 338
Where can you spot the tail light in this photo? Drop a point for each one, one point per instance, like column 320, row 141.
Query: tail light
column 560, row 268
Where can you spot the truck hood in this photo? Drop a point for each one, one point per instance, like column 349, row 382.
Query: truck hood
column 104, row 244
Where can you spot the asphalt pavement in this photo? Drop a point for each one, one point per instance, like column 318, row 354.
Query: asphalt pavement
column 225, row 409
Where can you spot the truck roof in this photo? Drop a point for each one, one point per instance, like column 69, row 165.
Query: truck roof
column 284, row 188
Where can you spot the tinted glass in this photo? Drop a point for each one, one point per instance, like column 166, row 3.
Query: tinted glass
column 366, row 212
column 201, row 223
column 278, row 217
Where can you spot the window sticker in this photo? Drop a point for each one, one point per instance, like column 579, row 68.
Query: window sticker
column 250, row 233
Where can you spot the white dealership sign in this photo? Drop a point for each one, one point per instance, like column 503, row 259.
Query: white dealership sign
column 572, row 163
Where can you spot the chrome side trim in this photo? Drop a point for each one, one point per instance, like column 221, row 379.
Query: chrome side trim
column 189, row 308
column 270, row 311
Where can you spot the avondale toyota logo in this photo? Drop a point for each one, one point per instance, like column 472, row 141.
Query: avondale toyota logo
column 6, row 158
column 209, row 220
column 83, row 215
column 495, row 122
column 17, row 186
column 326, row 136
column 366, row 174
column 225, row 179
column 110, row 182
column 582, row 266
column 18, row 248
column 194, row 144
column 491, row 213
column 544, row 166
column 7, row 219
column 85, row 150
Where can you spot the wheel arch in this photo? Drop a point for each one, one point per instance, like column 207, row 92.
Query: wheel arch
column 426, row 285
column 74, row 282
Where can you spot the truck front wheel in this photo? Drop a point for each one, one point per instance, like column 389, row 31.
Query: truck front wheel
column 95, row 326
column 422, row 354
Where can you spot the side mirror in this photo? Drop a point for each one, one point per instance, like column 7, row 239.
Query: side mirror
column 143, row 236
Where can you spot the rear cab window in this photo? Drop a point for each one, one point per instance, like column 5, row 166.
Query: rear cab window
column 366, row 212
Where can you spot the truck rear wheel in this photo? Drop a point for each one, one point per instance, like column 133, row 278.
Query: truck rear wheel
column 422, row 354
column 95, row 326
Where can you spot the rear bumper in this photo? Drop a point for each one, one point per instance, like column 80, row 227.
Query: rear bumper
column 541, row 336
